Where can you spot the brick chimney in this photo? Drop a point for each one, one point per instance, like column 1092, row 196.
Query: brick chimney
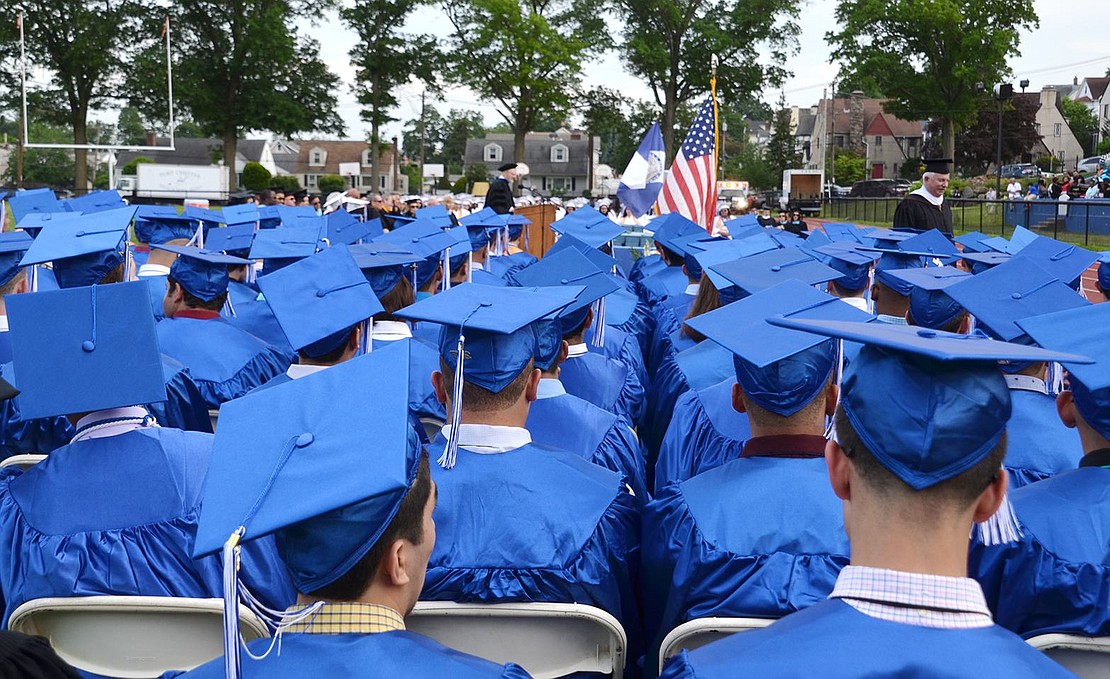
column 855, row 123
column 151, row 138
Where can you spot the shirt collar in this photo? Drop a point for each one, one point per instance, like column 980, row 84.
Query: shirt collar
column 1096, row 458
column 785, row 445
column 550, row 387
column 346, row 617
column 389, row 331
column 692, row 289
column 857, row 302
column 298, row 370
column 3, row 323
column 1026, row 383
column 924, row 193
column 891, row 320
column 576, row 350
column 904, row 592
column 199, row 314
column 489, row 438
column 149, row 269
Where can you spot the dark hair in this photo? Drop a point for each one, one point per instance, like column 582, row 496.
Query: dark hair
column 399, row 296
column 705, row 301
column 113, row 276
column 669, row 256
column 960, row 490
column 951, row 326
column 9, row 287
column 333, row 356
column 480, row 399
column 579, row 331
column 194, row 302
column 407, row 524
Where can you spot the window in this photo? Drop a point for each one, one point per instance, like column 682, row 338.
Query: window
column 365, row 180
column 839, row 141
column 1057, row 129
column 1060, row 154
column 558, row 183
column 381, row 181
column 559, row 153
column 366, row 157
column 310, row 179
column 317, row 157
column 493, row 153
column 878, row 141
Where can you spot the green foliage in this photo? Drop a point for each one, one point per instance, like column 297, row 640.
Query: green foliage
column 130, row 128
column 285, row 182
column 619, row 123
column 458, row 126
column 850, row 167
column 132, row 167
column 670, row 44
column 977, row 143
column 255, row 176
column 526, row 57
column 929, row 56
column 1103, row 147
column 475, row 173
column 1082, row 121
column 911, row 169
column 44, row 167
column 749, row 163
column 416, row 182
column 331, row 183
column 433, row 135
column 460, row 185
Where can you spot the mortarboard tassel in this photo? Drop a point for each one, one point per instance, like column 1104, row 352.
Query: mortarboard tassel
column 1055, row 378
column 599, row 323
column 33, row 278
column 230, row 556
column 229, row 308
column 450, row 451
column 1001, row 528
column 470, row 267
column 445, row 281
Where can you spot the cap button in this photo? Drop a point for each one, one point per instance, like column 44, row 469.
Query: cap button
column 321, row 293
column 926, row 333
column 486, row 304
column 304, row 439
column 776, row 268
column 88, row 346
column 80, row 233
column 1015, row 295
column 563, row 281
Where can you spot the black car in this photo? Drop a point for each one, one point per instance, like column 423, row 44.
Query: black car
column 876, row 188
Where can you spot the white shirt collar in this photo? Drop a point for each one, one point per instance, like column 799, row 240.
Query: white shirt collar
column 298, row 370
column 577, row 350
column 3, row 323
column 550, row 387
column 857, row 302
column 391, row 331
column 692, row 289
column 488, row 439
column 91, row 420
column 1026, row 383
column 891, row 320
column 148, row 270
column 924, row 193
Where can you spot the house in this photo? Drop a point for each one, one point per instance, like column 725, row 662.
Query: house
column 563, row 162
column 859, row 124
column 802, row 122
column 318, row 157
column 1057, row 138
column 1096, row 95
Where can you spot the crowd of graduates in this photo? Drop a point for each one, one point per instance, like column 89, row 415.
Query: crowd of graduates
column 414, row 407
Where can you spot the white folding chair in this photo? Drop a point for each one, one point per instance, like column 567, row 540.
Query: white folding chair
column 547, row 639
column 701, row 631
column 24, row 460
column 1088, row 657
column 132, row 637
column 214, row 417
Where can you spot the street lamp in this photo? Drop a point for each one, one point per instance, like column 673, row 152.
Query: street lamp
column 1005, row 91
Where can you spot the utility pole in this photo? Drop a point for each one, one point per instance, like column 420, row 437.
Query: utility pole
column 1005, row 91
column 422, row 141
column 23, row 109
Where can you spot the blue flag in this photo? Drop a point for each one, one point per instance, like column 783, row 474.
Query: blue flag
column 644, row 175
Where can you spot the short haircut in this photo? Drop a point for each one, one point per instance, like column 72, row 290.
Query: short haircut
column 399, row 296
column 194, row 302
column 407, row 524
column 480, row 399
column 333, row 356
column 958, row 492
column 841, row 291
column 579, row 331
column 9, row 287
column 669, row 256
column 951, row 326
column 775, row 423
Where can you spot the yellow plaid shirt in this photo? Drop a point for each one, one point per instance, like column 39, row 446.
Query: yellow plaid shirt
column 346, row 618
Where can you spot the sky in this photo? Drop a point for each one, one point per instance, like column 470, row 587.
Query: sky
column 1066, row 44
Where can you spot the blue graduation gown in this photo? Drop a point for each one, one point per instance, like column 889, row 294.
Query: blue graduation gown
column 646, row 266
column 505, row 265
column 156, row 286
column 1038, row 445
column 625, row 311
column 118, row 515
column 668, row 316
column 423, row 361
column 759, row 537
column 19, row 436
column 225, row 361
column 1057, row 577
column 253, row 314
column 578, row 426
column 534, row 524
column 185, row 406
column 5, row 347
column 386, row 654
column 606, row 383
column 832, row 640
column 620, row 346
column 705, row 432
column 663, row 283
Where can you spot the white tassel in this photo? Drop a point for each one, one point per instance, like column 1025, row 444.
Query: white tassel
column 232, row 668
column 450, row 451
column 1001, row 528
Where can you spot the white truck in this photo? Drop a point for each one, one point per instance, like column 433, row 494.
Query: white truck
column 181, row 182
column 801, row 189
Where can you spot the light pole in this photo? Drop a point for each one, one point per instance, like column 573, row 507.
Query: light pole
column 1005, row 91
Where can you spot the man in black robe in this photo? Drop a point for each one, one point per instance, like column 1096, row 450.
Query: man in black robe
column 926, row 208
column 499, row 198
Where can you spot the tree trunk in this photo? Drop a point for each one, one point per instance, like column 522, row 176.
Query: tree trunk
column 948, row 139
column 80, row 156
column 520, row 129
column 231, row 143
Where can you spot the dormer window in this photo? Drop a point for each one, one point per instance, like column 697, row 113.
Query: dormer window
column 559, row 153
column 317, row 157
column 493, row 153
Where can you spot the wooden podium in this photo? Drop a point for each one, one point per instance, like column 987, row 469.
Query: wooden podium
column 540, row 235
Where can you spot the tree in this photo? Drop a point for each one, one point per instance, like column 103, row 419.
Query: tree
column 285, row 182
column 525, row 55
column 130, row 127
column 44, row 167
column 255, row 176
column 781, row 149
column 241, row 66
column 459, row 126
column 977, row 143
column 671, row 43
column 132, row 166
column 331, row 183
column 84, row 47
column 928, row 57
column 1083, row 123
column 850, row 167
column 475, row 173
column 433, row 135
column 386, row 58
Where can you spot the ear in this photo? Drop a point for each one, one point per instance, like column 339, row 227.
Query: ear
column 685, row 272
column 355, row 339
column 394, row 562
column 564, row 351
column 589, row 319
column 831, row 394
column 531, row 392
column 738, row 398
column 840, row 470
column 1065, row 409
column 439, row 386
column 22, row 286
column 965, row 325
column 991, row 498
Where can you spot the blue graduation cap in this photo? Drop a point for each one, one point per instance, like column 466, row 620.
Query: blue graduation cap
column 34, row 222
column 597, row 257
column 319, row 299
column 232, row 240
column 981, row 261
column 996, row 244
column 1080, row 331
column 210, row 218
column 1009, row 292
column 931, row 244
column 896, row 260
column 813, row 241
column 669, row 228
column 691, row 244
column 884, row 237
column 715, row 252
column 594, row 232
column 245, row 213
column 383, row 264
column 972, row 241
column 784, row 238
column 1064, row 261
column 484, row 218
column 286, row 244
column 487, row 334
column 483, row 277
column 781, row 370
column 203, row 273
column 952, row 402
column 24, row 202
column 437, row 214
column 840, row 231
column 293, row 215
column 930, row 305
column 83, row 349
column 1020, row 238
column 96, row 201
column 12, row 246
column 83, row 250
column 1104, row 271
column 160, row 226
column 269, row 217
column 766, row 269
column 343, row 227
column 742, row 222
column 273, row 447
column 569, row 268
column 853, row 263
column 427, row 238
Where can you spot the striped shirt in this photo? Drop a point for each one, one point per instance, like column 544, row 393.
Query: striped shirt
column 346, row 618
column 937, row 601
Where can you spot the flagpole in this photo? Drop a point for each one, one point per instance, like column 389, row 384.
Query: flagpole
column 712, row 209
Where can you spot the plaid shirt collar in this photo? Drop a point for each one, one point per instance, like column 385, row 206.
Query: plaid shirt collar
column 937, row 601
column 346, row 618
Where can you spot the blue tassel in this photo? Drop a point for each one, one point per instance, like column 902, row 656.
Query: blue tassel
column 450, row 451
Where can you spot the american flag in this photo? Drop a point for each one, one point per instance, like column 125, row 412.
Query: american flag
column 691, row 187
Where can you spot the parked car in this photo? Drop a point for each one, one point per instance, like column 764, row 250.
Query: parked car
column 875, row 188
column 1090, row 164
column 1021, row 170
column 837, row 191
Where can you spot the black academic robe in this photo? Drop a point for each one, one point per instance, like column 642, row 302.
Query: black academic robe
column 914, row 212
column 499, row 198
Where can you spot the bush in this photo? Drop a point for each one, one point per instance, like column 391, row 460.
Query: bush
column 133, row 166
column 1103, row 147
column 911, row 169
column 285, row 183
column 331, row 183
column 475, row 173
column 460, row 185
column 849, row 167
column 255, row 176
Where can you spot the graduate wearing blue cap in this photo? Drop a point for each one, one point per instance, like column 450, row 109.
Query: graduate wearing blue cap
column 854, row 265
column 13, row 281
column 1038, row 444
column 115, row 511
column 1103, row 280
column 226, row 361
column 542, row 523
column 161, row 225
column 668, row 312
column 930, row 306
column 914, row 480
column 357, row 551
column 671, row 280
column 1056, row 577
